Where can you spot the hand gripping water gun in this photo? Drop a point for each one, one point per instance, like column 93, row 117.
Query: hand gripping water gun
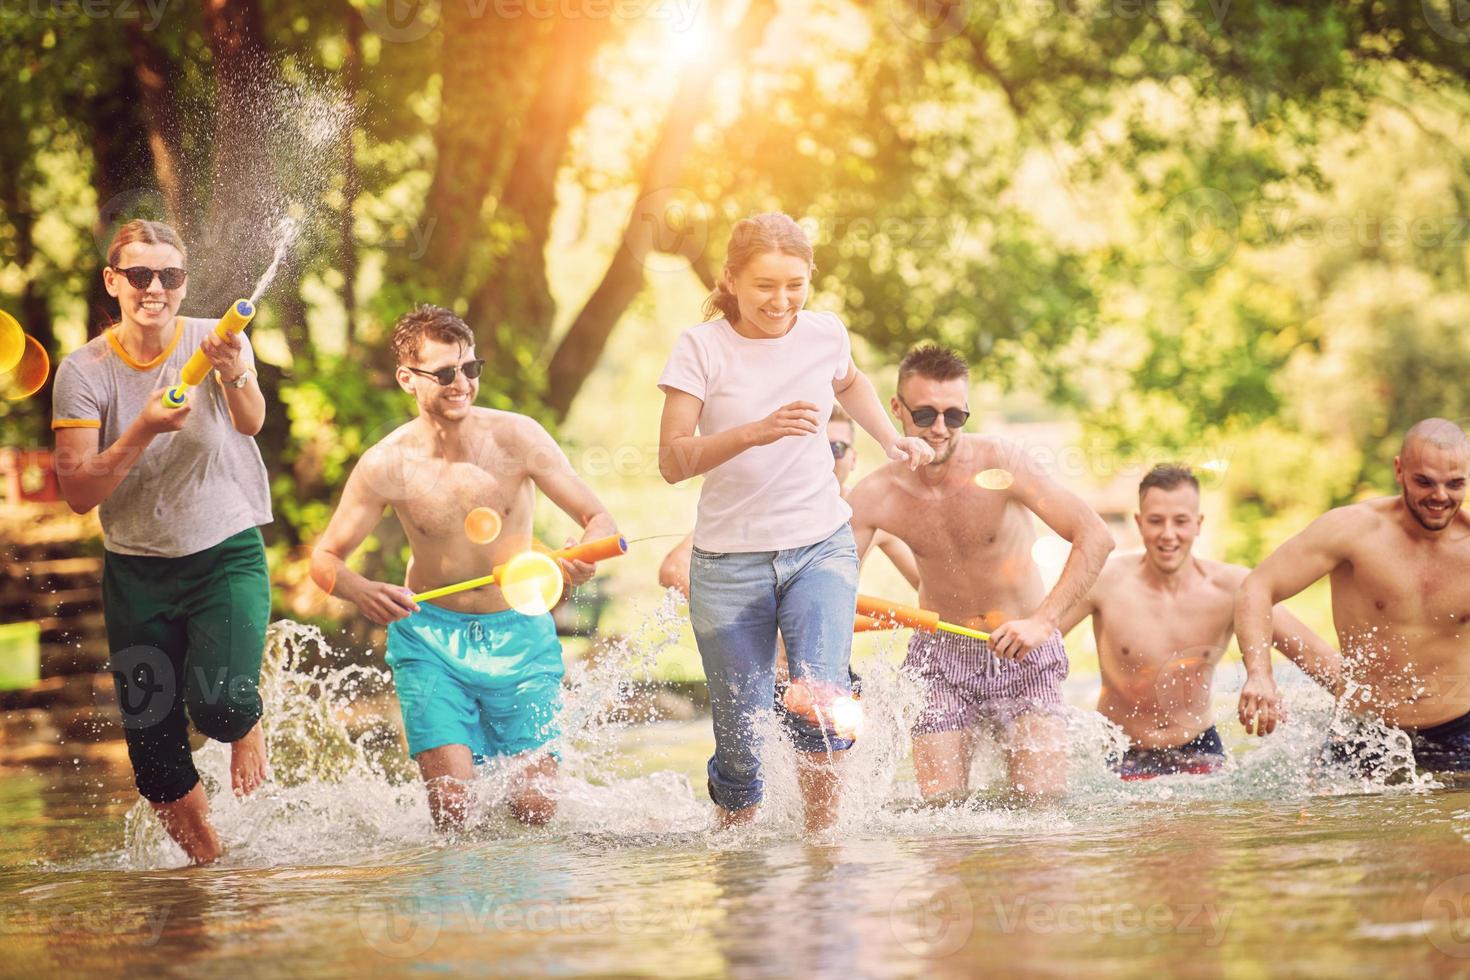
column 197, row 369
column 877, row 614
column 590, row 551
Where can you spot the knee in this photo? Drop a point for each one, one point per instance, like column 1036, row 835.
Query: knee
column 227, row 710
column 222, row 720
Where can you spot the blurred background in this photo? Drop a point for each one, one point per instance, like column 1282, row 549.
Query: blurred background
column 1226, row 232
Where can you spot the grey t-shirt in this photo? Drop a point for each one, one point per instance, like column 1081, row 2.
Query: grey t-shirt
column 190, row 489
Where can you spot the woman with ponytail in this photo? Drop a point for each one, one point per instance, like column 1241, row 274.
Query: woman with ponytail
column 747, row 397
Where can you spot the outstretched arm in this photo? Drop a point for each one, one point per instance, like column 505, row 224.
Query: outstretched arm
column 1068, row 515
column 1302, row 560
column 553, row 475
column 856, row 394
column 1315, row 656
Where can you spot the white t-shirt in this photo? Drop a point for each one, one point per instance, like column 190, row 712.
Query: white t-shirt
column 782, row 495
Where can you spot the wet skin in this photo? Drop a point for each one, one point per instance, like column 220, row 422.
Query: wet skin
column 1400, row 574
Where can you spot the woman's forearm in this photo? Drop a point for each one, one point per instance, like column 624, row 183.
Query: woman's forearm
column 689, row 456
column 87, row 480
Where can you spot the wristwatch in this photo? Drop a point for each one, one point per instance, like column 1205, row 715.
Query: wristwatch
column 240, row 382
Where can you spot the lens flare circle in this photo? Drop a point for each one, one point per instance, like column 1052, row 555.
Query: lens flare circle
column 995, row 479
column 1051, row 552
column 29, row 374
column 847, row 716
column 482, row 525
column 12, row 341
column 532, row 583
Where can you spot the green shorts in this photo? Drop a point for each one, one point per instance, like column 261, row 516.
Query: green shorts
column 186, row 637
column 489, row 681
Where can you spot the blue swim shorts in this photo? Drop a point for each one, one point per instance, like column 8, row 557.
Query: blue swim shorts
column 490, row 681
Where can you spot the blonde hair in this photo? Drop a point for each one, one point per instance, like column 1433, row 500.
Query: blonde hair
column 147, row 232
column 774, row 232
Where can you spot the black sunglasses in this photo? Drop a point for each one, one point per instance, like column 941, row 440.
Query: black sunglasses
column 925, row 415
column 839, row 448
column 141, row 277
column 445, row 375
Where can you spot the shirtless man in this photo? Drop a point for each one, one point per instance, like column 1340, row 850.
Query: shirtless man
column 972, row 540
column 474, row 677
column 1162, row 620
column 1400, row 574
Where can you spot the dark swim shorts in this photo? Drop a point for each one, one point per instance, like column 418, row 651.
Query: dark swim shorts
column 1438, row 748
column 1200, row 755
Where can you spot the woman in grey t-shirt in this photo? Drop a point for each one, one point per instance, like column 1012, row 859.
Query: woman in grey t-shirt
column 182, row 493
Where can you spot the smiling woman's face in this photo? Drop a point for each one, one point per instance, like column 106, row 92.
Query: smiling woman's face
column 770, row 289
column 153, row 306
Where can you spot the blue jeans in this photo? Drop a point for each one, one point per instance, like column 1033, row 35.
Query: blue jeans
column 737, row 600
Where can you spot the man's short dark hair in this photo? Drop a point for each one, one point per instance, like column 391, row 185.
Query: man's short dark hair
column 1167, row 476
column 933, row 361
column 434, row 322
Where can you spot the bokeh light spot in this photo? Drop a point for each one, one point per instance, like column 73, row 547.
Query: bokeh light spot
column 996, row 479
column 12, row 341
column 29, row 374
column 847, row 716
column 532, row 583
column 482, row 525
column 1051, row 554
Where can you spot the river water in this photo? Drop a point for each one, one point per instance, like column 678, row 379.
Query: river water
column 333, row 867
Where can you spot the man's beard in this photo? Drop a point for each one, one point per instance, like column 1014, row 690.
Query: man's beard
column 1414, row 509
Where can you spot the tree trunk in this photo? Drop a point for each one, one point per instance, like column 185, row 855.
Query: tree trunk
column 656, row 222
column 155, row 82
column 515, row 299
column 485, row 83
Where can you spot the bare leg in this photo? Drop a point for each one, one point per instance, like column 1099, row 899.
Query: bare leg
column 248, row 762
column 187, row 822
column 817, row 773
column 1037, row 757
column 447, row 772
column 528, row 802
column 942, row 765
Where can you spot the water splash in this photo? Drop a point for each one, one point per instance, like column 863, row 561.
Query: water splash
column 287, row 231
column 344, row 792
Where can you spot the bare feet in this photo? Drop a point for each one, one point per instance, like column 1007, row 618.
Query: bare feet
column 187, row 822
column 247, row 762
column 726, row 819
column 529, row 802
